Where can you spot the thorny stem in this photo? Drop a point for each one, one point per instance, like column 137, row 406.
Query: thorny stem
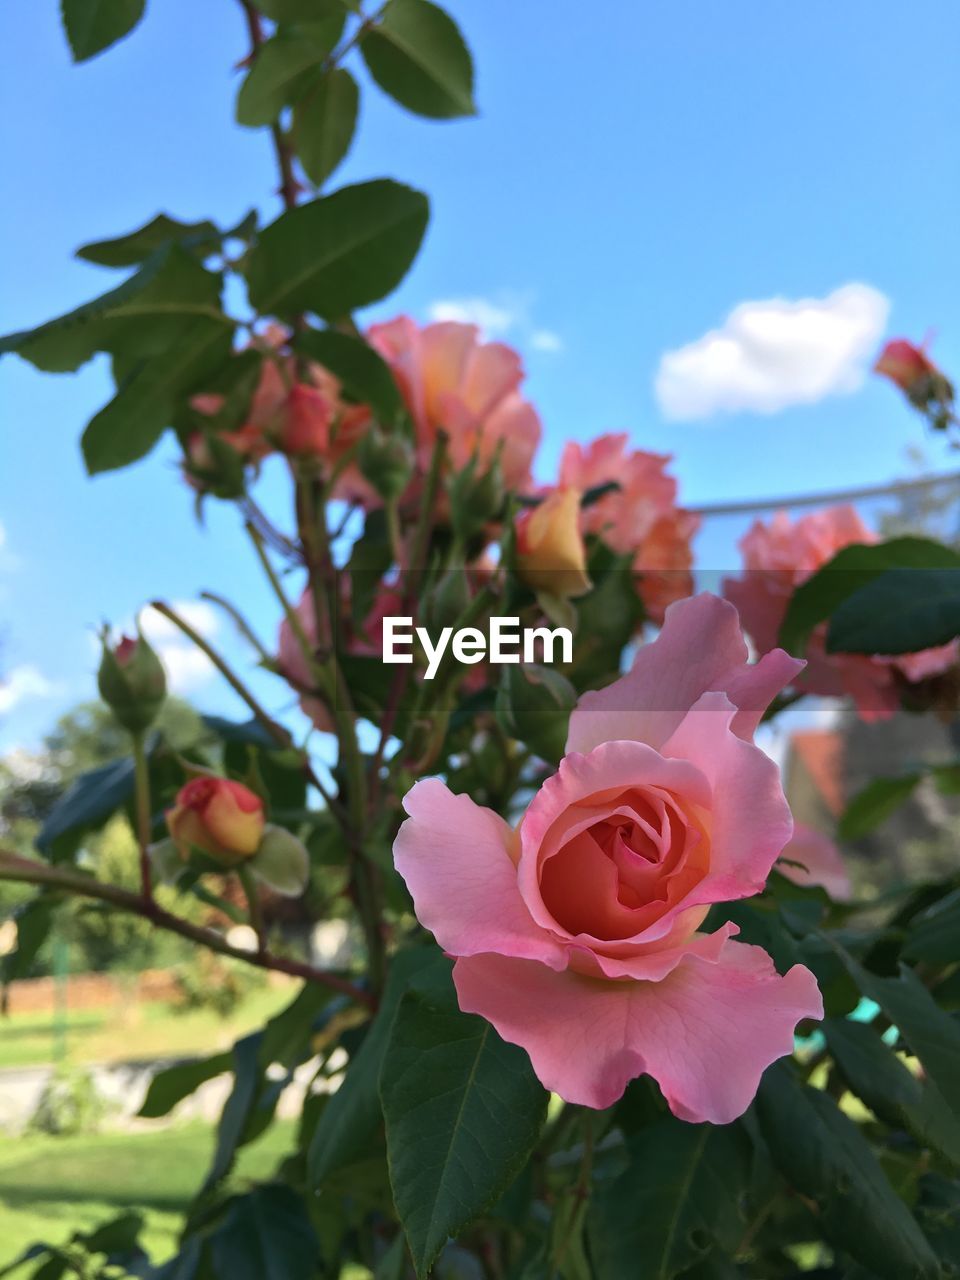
column 289, row 187
column 27, row 871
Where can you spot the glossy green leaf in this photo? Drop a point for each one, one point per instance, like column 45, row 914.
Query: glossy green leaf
column 85, row 806
column 266, row 1235
column 901, row 611
column 324, row 121
column 827, row 1159
column 931, row 1034
column 276, row 77
column 874, row 804
column 136, row 246
column 173, row 1084
column 851, row 569
column 871, row 1069
column 463, row 1111
column 934, row 935
column 340, row 252
column 417, row 55
column 127, row 428
column 34, row 919
column 362, row 372
column 681, row 1189
column 94, row 25
column 352, row 1118
column 140, row 317
column 285, row 11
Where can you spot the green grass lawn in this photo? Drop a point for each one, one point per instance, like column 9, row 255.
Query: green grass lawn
column 139, row 1031
column 51, row 1187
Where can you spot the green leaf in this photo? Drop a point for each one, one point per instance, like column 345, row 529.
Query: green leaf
column 370, row 557
column 233, row 1128
column 874, row 804
column 826, row 1158
column 930, row 1033
column 324, row 120
column 300, row 10
column 934, row 935
column 871, row 1069
column 681, row 1189
column 901, row 611
column 127, row 428
column 463, row 1112
column 340, row 252
column 136, row 246
column 849, row 571
column 363, row 373
column 267, row 1235
column 140, row 317
column 276, row 78
column 287, row 1036
column 352, row 1118
column 34, row 919
column 85, row 806
column 417, row 54
column 94, row 25
column 173, row 1084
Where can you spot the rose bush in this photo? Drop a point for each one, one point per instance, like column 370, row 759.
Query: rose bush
column 572, row 996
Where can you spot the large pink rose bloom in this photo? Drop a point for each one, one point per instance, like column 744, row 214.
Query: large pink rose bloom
column 641, row 519
column 781, row 555
column 576, row 934
column 470, row 389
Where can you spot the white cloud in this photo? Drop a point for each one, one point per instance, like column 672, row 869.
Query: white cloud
column 492, row 318
column 546, row 340
column 22, row 683
column 771, row 354
column 508, row 313
column 187, row 666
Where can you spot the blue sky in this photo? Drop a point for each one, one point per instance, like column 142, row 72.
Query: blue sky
column 636, row 172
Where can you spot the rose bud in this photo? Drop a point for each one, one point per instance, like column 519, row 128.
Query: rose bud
column 550, row 555
column 385, row 461
column 306, row 420
column 476, row 500
column 221, row 818
column 904, row 364
column 132, row 681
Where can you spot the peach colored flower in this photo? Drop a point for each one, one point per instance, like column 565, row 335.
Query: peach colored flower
column 778, row 557
column 550, row 554
column 641, row 519
column 452, row 381
column 222, row 818
column 576, row 934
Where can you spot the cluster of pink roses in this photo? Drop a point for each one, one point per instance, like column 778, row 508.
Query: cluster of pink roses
column 782, row 554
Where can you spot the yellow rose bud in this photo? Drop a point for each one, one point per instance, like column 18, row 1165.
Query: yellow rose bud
column 550, row 553
column 221, row 818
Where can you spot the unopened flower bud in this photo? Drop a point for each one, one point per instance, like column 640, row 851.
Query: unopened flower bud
column 534, row 705
column 925, row 386
column 550, row 554
column 446, row 601
column 476, row 498
column 220, row 817
column 215, row 464
column 281, row 862
column 132, row 681
column 386, row 461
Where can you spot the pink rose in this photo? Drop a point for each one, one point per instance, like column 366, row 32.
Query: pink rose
column 468, row 388
column 576, row 933
column 367, row 642
column 641, row 519
column 782, row 554
column 811, row 858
